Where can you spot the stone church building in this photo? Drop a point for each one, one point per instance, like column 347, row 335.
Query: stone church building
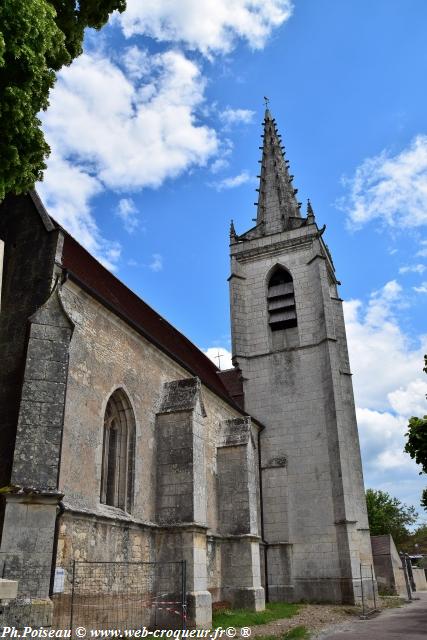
column 121, row 441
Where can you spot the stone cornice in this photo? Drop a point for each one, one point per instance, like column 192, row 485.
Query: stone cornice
column 286, row 349
column 247, row 254
column 251, row 537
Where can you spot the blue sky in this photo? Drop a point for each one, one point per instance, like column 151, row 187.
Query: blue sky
column 155, row 132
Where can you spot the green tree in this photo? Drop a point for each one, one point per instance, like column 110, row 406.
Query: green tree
column 417, row 542
column 388, row 515
column 416, row 444
column 37, row 38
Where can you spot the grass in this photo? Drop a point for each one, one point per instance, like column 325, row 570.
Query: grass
column 391, row 602
column 296, row 632
column 299, row 633
column 243, row 618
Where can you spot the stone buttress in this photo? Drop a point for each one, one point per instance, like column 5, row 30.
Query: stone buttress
column 32, row 498
column 35, row 333
column 182, row 501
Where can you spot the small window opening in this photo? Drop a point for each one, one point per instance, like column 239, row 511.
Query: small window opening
column 281, row 301
column 118, row 460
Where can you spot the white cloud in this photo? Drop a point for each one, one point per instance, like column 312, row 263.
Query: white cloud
column 209, row 26
column 66, row 192
column 155, row 265
column 389, row 388
column 109, row 124
column 382, row 356
column 386, row 466
column 112, row 121
column 127, row 212
column 113, row 131
column 233, row 181
column 413, row 268
column 137, row 62
column 224, row 152
column 157, row 262
column 224, row 360
column 410, row 400
column 236, row 116
column 423, row 251
column 219, row 165
column 422, row 288
column 390, row 188
column 381, row 437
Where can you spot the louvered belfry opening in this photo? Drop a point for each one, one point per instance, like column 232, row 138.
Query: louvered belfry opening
column 281, row 301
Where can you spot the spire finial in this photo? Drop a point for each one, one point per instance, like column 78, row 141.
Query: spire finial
column 310, row 212
column 232, row 230
column 266, row 102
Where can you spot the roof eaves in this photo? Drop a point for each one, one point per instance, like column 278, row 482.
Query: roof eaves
column 45, row 217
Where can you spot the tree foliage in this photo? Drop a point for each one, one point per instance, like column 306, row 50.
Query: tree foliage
column 417, row 542
column 37, row 38
column 416, row 444
column 424, row 499
column 388, row 515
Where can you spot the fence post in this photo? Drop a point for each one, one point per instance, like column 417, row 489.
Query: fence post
column 361, row 587
column 72, row 595
column 405, row 573
column 373, row 588
column 410, row 574
column 184, row 593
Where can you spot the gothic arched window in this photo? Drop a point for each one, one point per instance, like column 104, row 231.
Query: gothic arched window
column 118, row 455
column 281, row 300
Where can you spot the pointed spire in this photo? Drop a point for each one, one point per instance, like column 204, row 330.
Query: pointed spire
column 277, row 202
column 310, row 213
column 232, row 231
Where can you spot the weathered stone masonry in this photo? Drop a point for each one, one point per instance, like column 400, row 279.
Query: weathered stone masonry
column 30, row 243
column 88, row 366
column 78, row 353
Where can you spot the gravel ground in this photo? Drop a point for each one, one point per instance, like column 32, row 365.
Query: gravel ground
column 320, row 619
column 312, row 616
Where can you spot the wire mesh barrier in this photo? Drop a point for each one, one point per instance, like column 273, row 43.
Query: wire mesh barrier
column 368, row 590
column 121, row 595
column 30, row 607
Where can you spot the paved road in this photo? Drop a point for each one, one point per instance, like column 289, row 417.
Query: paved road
column 405, row 623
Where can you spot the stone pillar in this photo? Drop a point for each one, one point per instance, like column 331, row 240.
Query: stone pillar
column 199, row 600
column 238, row 514
column 32, row 499
column 276, row 529
column 181, row 490
column 27, row 541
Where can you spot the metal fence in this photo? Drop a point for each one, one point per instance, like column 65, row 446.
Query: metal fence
column 368, row 590
column 120, row 595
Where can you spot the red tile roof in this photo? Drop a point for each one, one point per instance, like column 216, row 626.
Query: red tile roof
column 83, row 268
column 380, row 545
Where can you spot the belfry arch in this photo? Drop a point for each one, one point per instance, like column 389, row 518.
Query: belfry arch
column 281, row 300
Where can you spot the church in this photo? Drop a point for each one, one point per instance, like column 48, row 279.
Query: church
column 122, row 442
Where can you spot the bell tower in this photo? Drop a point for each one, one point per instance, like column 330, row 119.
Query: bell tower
column 288, row 339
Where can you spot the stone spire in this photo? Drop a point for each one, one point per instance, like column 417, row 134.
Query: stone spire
column 277, row 204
